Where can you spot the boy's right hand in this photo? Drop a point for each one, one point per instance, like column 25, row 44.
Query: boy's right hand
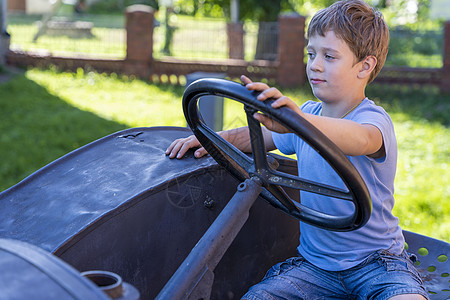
column 179, row 147
column 267, row 92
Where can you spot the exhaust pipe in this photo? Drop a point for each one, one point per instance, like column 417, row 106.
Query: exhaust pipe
column 112, row 285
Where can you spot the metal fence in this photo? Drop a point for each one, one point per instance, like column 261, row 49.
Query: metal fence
column 189, row 38
column 206, row 39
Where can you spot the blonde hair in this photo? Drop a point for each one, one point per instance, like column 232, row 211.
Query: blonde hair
column 359, row 25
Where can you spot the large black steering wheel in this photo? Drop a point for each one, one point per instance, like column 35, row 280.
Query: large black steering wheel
column 243, row 167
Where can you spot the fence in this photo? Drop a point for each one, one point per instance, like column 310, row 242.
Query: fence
column 212, row 46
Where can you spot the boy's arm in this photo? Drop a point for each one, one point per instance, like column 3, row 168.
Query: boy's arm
column 352, row 138
column 239, row 137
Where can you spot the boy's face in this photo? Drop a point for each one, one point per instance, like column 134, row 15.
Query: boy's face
column 332, row 69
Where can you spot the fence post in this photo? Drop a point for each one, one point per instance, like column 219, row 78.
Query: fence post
column 445, row 80
column 235, row 33
column 139, row 28
column 17, row 5
column 291, row 44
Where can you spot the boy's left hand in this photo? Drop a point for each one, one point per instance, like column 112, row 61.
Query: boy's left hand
column 280, row 100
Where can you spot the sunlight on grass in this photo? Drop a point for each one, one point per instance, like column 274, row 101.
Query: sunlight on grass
column 131, row 102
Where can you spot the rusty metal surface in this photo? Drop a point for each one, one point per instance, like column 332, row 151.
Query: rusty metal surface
column 120, row 205
column 61, row 199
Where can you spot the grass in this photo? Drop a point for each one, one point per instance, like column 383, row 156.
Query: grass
column 46, row 113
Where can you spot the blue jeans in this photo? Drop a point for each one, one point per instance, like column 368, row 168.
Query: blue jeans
column 381, row 276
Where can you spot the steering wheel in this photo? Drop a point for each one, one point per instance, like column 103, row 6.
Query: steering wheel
column 243, row 167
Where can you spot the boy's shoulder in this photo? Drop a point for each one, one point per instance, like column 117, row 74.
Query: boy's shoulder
column 368, row 104
column 369, row 112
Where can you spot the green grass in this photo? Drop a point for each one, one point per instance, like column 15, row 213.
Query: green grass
column 45, row 114
column 38, row 127
column 119, row 99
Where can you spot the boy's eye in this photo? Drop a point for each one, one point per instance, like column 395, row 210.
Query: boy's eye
column 311, row 55
column 329, row 56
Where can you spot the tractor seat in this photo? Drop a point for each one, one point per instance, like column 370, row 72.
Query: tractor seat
column 432, row 262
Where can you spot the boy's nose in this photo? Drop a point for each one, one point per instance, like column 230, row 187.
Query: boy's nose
column 315, row 65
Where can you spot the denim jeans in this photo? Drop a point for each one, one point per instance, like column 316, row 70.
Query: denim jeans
column 381, row 276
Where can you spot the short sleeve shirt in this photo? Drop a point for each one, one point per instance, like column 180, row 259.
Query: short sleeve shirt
column 336, row 251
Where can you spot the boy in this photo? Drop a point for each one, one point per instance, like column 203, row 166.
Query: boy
column 347, row 47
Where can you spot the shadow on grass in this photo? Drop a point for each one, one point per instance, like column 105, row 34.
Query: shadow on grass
column 38, row 127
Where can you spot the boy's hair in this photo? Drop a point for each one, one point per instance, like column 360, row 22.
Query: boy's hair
column 359, row 25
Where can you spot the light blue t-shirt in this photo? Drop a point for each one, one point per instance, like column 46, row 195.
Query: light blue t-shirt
column 336, row 251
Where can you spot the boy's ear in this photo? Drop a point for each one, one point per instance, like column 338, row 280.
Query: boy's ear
column 367, row 66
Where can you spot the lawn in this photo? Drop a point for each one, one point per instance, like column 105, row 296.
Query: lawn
column 46, row 113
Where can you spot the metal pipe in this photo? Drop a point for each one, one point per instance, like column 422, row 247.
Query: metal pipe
column 234, row 8
column 3, row 15
column 195, row 275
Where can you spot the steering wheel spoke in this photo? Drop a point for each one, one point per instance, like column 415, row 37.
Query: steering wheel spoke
column 295, row 182
column 227, row 150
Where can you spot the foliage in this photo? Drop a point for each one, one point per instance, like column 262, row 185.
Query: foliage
column 117, row 7
column 46, row 113
column 396, row 12
column 203, row 8
column 255, row 10
column 266, row 11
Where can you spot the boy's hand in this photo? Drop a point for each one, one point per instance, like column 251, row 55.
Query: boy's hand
column 179, row 147
column 240, row 137
column 280, row 100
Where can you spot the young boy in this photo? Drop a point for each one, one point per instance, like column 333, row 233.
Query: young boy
column 347, row 47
